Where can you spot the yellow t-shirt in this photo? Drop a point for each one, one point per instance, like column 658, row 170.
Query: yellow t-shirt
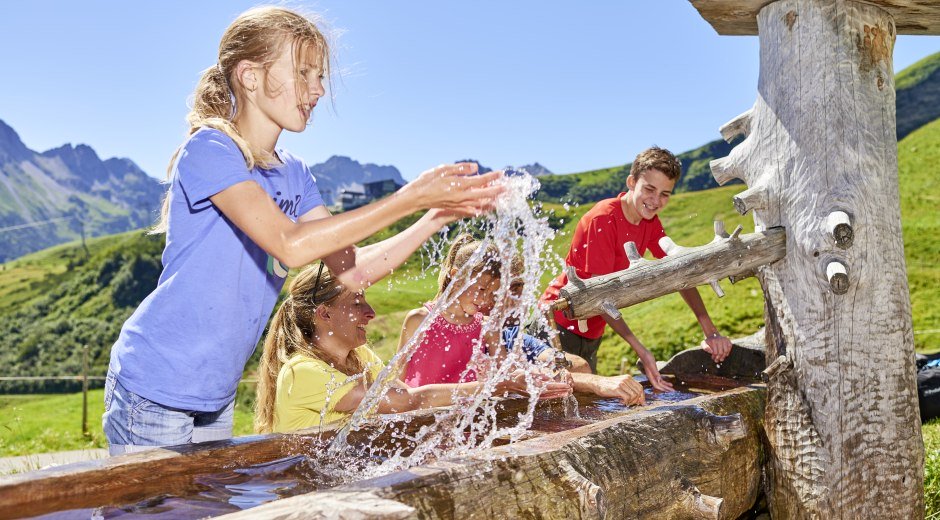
column 308, row 390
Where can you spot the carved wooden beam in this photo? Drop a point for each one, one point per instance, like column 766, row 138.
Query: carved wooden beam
column 739, row 17
column 684, row 267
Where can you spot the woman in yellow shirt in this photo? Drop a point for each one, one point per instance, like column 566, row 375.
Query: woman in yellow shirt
column 316, row 367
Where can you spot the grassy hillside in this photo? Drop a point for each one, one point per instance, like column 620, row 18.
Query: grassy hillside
column 918, row 94
column 594, row 185
column 54, row 302
column 919, row 177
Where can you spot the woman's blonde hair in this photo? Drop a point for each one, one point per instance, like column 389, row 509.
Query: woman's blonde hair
column 291, row 332
column 460, row 253
column 257, row 35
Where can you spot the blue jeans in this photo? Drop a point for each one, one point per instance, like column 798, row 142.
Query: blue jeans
column 133, row 423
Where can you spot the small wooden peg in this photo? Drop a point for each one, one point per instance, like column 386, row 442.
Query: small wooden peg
column 750, row 199
column 717, row 288
column 572, row 275
column 612, row 310
column 724, row 170
column 839, row 225
column 838, row 277
column 720, row 229
column 740, row 125
column 633, row 254
column 668, row 246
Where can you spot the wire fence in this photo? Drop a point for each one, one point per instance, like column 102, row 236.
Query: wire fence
column 85, row 379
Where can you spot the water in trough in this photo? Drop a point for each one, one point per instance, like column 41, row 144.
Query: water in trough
column 241, row 488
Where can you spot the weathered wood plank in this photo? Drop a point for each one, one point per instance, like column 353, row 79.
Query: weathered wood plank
column 842, row 410
column 683, row 268
column 739, row 17
column 697, row 459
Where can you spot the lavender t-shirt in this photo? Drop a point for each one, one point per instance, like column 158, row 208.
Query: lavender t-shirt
column 187, row 343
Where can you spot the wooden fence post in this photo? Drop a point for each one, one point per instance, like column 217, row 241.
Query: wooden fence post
column 85, row 390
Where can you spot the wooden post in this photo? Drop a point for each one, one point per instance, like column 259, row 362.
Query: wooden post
column 85, row 390
column 842, row 418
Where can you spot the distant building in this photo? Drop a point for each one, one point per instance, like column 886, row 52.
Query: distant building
column 379, row 189
column 351, row 199
column 356, row 195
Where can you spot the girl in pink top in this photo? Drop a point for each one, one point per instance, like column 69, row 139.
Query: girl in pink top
column 451, row 339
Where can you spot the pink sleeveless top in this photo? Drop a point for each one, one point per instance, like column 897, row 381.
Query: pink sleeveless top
column 444, row 352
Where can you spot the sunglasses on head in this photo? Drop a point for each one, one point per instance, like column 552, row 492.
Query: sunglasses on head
column 316, row 284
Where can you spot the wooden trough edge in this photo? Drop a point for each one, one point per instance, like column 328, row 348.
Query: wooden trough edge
column 700, row 458
column 129, row 477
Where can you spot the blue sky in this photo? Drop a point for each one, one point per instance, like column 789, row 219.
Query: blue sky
column 574, row 87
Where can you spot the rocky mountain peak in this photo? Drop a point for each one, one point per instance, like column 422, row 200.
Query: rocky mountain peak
column 11, row 147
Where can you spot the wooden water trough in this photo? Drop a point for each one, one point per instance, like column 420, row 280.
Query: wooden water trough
column 698, row 458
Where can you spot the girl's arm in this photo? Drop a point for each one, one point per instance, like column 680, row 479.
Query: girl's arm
column 295, row 244
column 401, row 398
column 408, row 328
column 358, row 268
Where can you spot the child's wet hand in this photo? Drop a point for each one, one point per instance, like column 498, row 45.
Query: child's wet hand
column 631, row 391
column 718, row 346
column 555, row 389
column 518, row 383
column 652, row 372
column 456, row 188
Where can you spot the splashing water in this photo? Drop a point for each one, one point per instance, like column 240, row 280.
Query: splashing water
column 470, row 426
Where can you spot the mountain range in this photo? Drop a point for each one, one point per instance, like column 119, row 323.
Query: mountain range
column 51, row 197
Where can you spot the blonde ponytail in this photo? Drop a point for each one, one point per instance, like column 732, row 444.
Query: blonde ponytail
column 257, row 35
column 291, row 332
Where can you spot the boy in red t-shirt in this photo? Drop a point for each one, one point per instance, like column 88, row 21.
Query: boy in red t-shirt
column 597, row 248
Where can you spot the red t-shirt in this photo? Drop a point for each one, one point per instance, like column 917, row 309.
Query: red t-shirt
column 597, row 248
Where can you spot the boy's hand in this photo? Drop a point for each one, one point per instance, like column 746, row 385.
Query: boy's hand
column 718, row 346
column 652, row 371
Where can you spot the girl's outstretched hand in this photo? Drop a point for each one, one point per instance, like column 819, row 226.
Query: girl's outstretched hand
column 456, row 189
column 624, row 388
column 516, row 384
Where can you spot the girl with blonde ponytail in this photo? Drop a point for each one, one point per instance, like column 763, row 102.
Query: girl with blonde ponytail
column 239, row 212
column 316, row 366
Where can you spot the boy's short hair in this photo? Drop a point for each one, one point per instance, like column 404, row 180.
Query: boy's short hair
column 656, row 158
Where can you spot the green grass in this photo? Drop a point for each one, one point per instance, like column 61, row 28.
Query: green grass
column 42, row 423
column 931, row 432
column 39, row 423
column 917, row 72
